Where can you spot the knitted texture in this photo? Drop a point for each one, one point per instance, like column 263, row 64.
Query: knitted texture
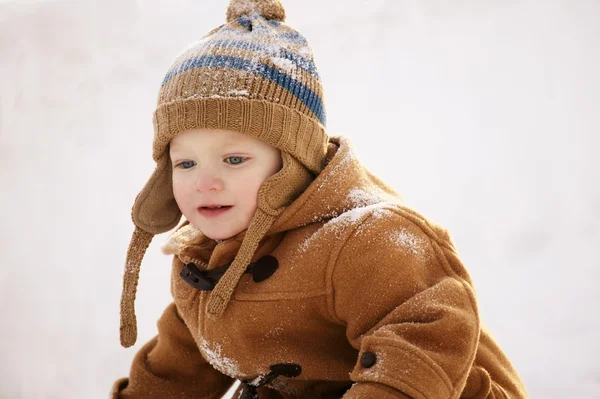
column 139, row 243
column 254, row 75
column 279, row 126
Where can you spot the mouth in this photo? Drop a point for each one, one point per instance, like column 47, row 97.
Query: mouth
column 213, row 210
column 212, row 206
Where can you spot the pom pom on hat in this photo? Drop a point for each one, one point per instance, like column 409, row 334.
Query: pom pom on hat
column 269, row 9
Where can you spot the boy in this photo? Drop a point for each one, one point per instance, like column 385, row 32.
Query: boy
column 296, row 271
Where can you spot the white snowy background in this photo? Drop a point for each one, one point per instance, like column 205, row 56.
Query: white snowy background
column 484, row 114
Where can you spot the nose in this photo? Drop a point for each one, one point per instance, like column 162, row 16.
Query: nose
column 208, row 181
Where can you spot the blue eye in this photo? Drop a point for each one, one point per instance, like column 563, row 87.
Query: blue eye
column 235, row 160
column 187, row 164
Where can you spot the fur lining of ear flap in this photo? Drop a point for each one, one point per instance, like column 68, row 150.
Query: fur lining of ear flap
column 182, row 237
column 155, row 209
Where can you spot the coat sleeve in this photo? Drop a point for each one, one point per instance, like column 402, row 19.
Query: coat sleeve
column 409, row 309
column 171, row 366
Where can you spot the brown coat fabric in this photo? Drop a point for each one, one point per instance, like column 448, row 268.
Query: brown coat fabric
column 370, row 299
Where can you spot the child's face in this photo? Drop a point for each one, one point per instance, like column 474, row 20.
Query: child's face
column 220, row 167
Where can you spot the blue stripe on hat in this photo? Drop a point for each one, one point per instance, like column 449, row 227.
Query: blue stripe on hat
column 304, row 63
column 300, row 91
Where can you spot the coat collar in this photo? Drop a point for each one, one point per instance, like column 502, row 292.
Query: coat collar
column 343, row 185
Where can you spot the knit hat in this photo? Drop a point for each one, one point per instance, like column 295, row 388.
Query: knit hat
column 254, row 75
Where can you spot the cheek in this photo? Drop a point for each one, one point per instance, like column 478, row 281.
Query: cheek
column 248, row 187
column 181, row 190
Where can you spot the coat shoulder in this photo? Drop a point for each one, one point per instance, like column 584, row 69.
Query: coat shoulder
column 395, row 222
column 385, row 225
column 393, row 239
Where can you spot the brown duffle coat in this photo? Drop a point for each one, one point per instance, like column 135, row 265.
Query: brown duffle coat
column 351, row 294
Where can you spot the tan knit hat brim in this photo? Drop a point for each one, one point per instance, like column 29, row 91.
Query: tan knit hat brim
column 277, row 125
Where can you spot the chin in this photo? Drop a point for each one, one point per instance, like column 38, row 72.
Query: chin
column 217, row 233
column 219, row 236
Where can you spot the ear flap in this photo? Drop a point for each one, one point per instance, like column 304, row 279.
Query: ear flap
column 281, row 189
column 155, row 209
